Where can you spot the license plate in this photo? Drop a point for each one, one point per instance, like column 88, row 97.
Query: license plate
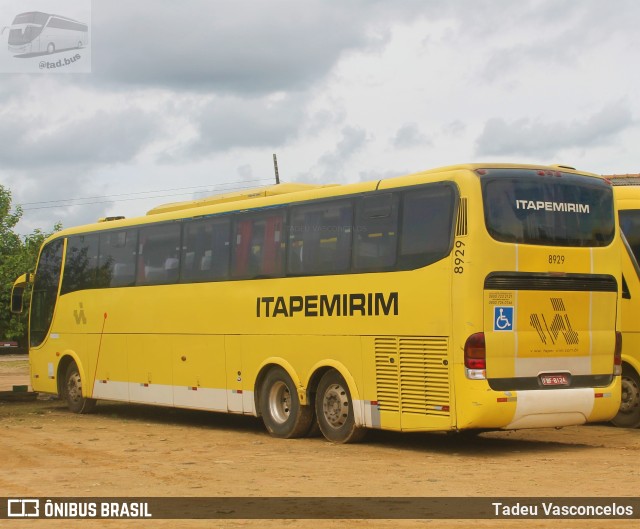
column 557, row 379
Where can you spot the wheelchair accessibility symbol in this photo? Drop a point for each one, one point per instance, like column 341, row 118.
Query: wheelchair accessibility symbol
column 503, row 318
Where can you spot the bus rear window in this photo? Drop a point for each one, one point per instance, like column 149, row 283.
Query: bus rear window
column 560, row 209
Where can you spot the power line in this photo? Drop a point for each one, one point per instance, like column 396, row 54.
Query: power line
column 49, row 204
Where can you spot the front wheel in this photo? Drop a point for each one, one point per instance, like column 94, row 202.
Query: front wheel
column 73, row 392
column 282, row 413
column 629, row 413
column 334, row 410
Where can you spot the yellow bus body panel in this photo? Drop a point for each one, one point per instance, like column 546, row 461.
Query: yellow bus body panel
column 205, row 345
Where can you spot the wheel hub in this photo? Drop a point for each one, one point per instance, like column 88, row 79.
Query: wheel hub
column 335, row 405
column 280, row 402
column 74, row 387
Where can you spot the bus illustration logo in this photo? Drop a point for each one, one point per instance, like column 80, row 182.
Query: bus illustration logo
column 46, row 42
column 503, row 318
column 37, row 32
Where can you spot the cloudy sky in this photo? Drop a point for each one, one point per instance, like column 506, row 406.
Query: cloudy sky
column 190, row 98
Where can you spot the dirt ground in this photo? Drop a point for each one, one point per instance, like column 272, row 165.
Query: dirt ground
column 130, row 450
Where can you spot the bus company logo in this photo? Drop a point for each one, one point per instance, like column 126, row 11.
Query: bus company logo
column 79, row 315
column 23, row 508
column 35, row 41
column 503, row 318
column 566, row 207
column 560, row 325
column 370, row 304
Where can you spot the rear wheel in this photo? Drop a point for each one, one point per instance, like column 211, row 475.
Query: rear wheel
column 334, row 410
column 629, row 413
column 282, row 413
column 73, row 392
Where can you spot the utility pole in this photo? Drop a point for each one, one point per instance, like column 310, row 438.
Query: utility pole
column 275, row 167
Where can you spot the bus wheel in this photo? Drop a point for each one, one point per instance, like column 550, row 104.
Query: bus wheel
column 73, row 392
column 629, row 413
column 334, row 410
column 51, row 48
column 282, row 413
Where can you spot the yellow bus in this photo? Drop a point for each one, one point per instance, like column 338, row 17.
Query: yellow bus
column 471, row 297
column 627, row 196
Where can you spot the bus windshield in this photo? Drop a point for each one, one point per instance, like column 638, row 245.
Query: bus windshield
column 561, row 209
column 18, row 37
column 29, row 26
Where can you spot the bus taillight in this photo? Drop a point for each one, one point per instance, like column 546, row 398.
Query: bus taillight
column 617, row 355
column 475, row 357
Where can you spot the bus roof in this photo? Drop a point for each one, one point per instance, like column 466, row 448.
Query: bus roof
column 294, row 192
column 42, row 16
column 258, row 192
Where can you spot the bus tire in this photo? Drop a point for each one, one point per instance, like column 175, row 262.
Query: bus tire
column 73, row 391
column 280, row 407
column 334, row 410
column 629, row 414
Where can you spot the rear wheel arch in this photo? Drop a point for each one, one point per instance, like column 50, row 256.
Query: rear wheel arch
column 278, row 403
column 264, row 370
column 318, row 371
column 337, row 411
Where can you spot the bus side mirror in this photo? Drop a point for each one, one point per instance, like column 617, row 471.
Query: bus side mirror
column 17, row 292
column 17, row 295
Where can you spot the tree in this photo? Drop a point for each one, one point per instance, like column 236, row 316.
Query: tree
column 17, row 256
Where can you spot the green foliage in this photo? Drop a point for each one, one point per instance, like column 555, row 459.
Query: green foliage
column 17, row 256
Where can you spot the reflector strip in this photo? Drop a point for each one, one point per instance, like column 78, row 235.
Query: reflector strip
column 602, row 395
column 507, row 399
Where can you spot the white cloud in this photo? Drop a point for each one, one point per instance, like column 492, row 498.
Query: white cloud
column 332, row 162
column 536, row 137
column 409, row 136
column 197, row 93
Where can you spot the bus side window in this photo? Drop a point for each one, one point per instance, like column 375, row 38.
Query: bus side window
column 259, row 245
column 159, row 254
column 206, row 250
column 81, row 264
column 320, row 238
column 375, row 237
column 427, row 226
column 117, row 259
